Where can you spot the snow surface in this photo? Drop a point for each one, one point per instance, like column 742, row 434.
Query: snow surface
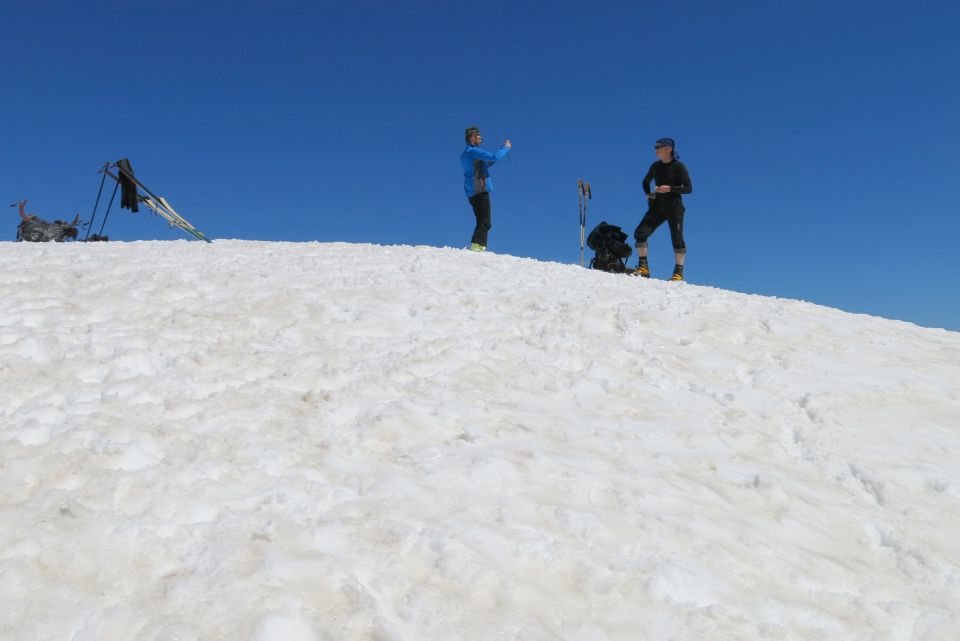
column 310, row 442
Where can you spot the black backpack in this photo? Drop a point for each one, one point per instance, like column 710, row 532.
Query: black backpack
column 611, row 250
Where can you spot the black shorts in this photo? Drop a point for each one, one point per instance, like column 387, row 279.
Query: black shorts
column 656, row 217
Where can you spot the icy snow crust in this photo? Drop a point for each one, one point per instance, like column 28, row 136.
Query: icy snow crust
column 305, row 442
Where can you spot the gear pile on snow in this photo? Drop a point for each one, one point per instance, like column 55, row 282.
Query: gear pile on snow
column 133, row 193
column 607, row 241
column 34, row 229
column 611, row 250
column 131, row 197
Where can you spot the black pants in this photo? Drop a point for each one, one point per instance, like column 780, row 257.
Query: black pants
column 481, row 209
column 656, row 217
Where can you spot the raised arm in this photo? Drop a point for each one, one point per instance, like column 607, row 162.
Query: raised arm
column 475, row 153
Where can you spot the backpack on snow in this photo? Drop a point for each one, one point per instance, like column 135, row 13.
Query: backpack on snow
column 37, row 230
column 611, row 252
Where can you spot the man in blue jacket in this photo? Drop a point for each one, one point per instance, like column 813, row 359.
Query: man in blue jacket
column 476, row 173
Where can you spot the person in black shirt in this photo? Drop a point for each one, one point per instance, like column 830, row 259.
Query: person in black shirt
column 665, row 205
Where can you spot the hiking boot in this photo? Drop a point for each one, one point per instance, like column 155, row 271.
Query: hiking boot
column 677, row 275
column 476, row 247
column 642, row 270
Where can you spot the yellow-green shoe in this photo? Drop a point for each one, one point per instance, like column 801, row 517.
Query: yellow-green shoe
column 476, row 247
column 641, row 270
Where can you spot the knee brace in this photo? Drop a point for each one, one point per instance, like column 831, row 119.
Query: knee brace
column 641, row 234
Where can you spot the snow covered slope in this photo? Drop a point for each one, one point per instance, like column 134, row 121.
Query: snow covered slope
column 309, row 442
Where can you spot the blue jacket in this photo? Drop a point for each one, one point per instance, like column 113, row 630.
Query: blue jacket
column 476, row 163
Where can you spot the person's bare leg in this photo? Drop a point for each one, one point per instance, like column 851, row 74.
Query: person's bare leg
column 642, row 268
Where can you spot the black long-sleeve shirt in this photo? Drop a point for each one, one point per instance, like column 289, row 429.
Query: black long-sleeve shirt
column 673, row 173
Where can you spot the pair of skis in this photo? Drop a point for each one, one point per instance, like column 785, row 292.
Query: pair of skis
column 156, row 204
column 583, row 190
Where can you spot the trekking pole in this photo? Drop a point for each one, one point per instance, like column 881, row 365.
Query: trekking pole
column 109, row 205
column 93, row 216
column 582, row 219
column 587, row 195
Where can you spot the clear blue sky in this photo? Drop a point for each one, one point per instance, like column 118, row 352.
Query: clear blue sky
column 821, row 137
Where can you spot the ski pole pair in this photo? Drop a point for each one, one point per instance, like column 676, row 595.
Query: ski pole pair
column 583, row 190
